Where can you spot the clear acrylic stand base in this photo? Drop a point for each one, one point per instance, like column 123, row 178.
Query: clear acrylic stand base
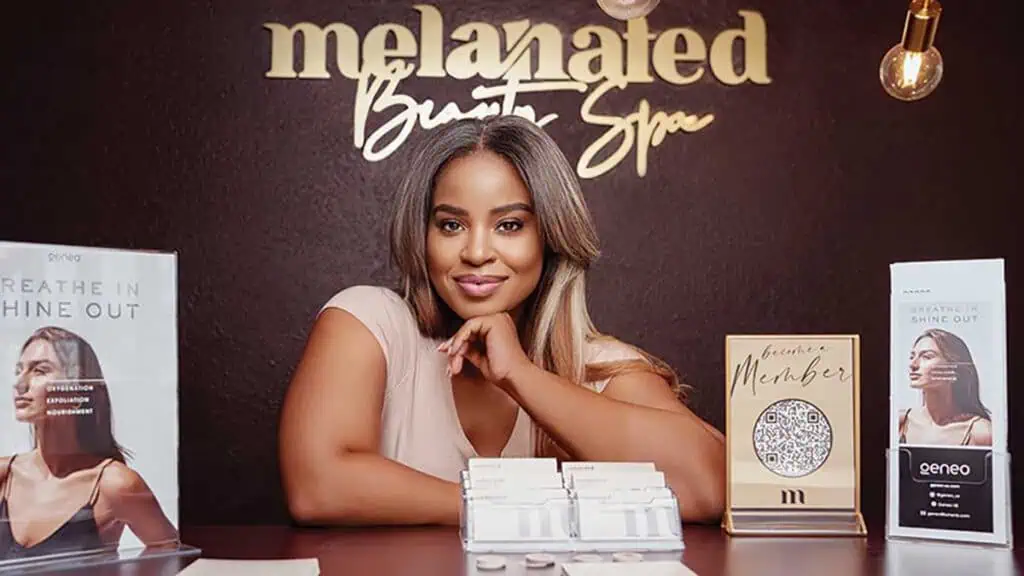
column 794, row 523
column 79, row 560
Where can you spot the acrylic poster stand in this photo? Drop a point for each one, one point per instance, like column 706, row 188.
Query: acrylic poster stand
column 793, row 435
column 88, row 342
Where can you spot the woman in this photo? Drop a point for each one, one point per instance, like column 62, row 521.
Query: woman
column 951, row 412
column 73, row 491
column 489, row 350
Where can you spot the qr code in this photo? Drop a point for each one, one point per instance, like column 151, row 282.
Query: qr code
column 792, row 438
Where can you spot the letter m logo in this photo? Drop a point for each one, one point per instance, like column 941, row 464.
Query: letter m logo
column 793, row 497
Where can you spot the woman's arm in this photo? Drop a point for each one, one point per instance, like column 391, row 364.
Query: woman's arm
column 637, row 418
column 330, row 433
column 134, row 504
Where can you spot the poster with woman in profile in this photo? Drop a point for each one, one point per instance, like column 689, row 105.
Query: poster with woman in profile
column 949, row 410
column 948, row 466
column 88, row 431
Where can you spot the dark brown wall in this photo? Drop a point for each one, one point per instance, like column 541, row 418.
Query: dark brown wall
column 150, row 125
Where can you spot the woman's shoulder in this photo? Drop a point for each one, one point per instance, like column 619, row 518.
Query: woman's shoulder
column 914, row 416
column 378, row 307
column 981, row 431
column 16, row 461
column 905, row 414
column 366, row 296
column 602, row 355
column 604, row 348
column 118, row 481
column 384, row 313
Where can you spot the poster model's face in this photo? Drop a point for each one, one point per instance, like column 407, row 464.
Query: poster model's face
column 485, row 253
column 928, row 369
column 36, row 369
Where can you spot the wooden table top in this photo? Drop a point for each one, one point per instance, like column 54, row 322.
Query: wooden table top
column 433, row 551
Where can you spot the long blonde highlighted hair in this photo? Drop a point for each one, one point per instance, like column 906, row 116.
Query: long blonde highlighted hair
column 557, row 323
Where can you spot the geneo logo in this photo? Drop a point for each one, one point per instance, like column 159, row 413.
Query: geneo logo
column 63, row 257
column 601, row 60
column 948, row 470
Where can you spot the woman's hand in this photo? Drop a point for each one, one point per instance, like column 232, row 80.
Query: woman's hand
column 490, row 343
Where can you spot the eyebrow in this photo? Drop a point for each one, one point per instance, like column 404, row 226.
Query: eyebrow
column 34, row 363
column 505, row 209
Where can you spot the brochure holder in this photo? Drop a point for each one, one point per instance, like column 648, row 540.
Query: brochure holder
column 948, row 481
column 608, row 510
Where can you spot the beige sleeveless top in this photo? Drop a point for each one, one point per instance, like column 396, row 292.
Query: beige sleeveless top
column 419, row 424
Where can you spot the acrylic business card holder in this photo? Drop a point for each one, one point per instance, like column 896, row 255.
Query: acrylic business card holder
column 513, row 514
column 627, row 519
column 552, row 513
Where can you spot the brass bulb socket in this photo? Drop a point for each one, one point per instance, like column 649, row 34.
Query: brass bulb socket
column 921, row 25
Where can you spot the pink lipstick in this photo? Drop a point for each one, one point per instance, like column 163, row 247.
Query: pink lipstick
column 479, row 286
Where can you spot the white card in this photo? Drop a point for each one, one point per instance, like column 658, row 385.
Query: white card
column 218, row 567
column 483, row 467
column 659, row 568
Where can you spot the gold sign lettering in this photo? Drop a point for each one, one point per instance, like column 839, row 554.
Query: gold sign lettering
column 519, row 58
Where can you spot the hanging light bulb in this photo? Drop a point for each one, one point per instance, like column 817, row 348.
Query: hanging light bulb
column 627, row 9
column 912, row 69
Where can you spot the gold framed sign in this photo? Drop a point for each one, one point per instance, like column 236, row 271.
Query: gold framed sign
column 792, row 417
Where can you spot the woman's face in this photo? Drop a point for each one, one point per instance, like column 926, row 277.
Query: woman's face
column 484, row 248
column 928, row 368
column 37, row 367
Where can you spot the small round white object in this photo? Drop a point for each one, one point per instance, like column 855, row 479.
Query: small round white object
column 587, row 558
column 490, row 562
column 627, row 557
column 537, row 560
